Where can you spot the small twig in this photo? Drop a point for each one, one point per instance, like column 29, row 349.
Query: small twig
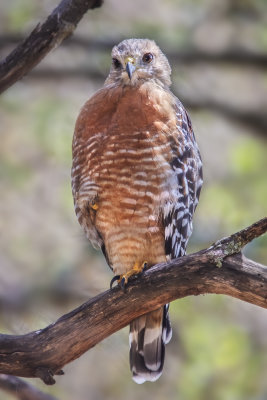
column 58, row 26
column 21, row 389
column 233, row 244
column 43, row 353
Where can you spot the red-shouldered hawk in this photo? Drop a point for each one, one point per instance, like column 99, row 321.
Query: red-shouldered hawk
column 136, row 180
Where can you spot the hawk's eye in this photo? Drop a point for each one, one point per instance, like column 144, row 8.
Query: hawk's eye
column 148, row 57
column 116, row 63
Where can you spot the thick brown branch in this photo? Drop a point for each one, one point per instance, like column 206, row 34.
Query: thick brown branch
column 21, row 389
column 57, row 27
column 43, row 353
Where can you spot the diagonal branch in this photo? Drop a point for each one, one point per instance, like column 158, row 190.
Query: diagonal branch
column 58, row 26
column 43, row 353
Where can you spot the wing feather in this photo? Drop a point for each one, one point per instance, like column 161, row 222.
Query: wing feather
column 187, row 173
column 84, row 191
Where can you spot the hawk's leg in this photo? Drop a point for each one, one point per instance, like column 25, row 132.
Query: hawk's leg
column 123, row 279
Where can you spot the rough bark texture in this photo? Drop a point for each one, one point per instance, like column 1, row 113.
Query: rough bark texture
column 220, row 269
column 57, row 27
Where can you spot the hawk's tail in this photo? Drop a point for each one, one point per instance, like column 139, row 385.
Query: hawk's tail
column 148, row 336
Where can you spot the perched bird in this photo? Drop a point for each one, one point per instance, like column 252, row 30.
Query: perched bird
column 136, row 180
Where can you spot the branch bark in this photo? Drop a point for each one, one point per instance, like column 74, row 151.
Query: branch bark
column 58, row 26
column 220, row 269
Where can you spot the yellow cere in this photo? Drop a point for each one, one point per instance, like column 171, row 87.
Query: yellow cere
column 129, row 60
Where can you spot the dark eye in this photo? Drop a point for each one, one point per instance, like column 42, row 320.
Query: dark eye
column 148, row 57
column 116, row 63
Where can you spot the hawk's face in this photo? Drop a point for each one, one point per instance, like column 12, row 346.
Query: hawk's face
column 138, row 60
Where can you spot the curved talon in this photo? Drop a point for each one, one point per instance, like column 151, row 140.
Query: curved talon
column 115, row 278
column 123, row 283
column 123, row 279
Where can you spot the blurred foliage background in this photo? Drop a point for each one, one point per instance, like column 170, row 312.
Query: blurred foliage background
column 218, row 54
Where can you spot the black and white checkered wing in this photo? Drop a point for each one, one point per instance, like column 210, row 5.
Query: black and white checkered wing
column 187, row 182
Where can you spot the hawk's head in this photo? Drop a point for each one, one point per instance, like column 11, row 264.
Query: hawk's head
column 138, row 60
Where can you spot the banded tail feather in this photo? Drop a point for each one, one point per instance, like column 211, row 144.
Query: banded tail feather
column 148, row 336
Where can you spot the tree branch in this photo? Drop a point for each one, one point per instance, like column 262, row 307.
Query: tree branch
column 58, row 26
column 257, row 120
column 179, row 55
column 43, row 353
column 21, row 389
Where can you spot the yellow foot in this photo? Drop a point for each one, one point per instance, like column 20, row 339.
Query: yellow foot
column 123, row 279
column 94, row 205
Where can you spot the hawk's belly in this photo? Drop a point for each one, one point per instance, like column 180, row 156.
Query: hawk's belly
column 132, row 184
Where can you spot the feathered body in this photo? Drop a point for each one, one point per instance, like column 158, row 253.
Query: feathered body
column 136, row 179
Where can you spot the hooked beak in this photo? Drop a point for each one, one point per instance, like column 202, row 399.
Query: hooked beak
column 130, row 67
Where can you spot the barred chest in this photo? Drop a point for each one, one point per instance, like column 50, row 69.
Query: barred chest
column 132, row 176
